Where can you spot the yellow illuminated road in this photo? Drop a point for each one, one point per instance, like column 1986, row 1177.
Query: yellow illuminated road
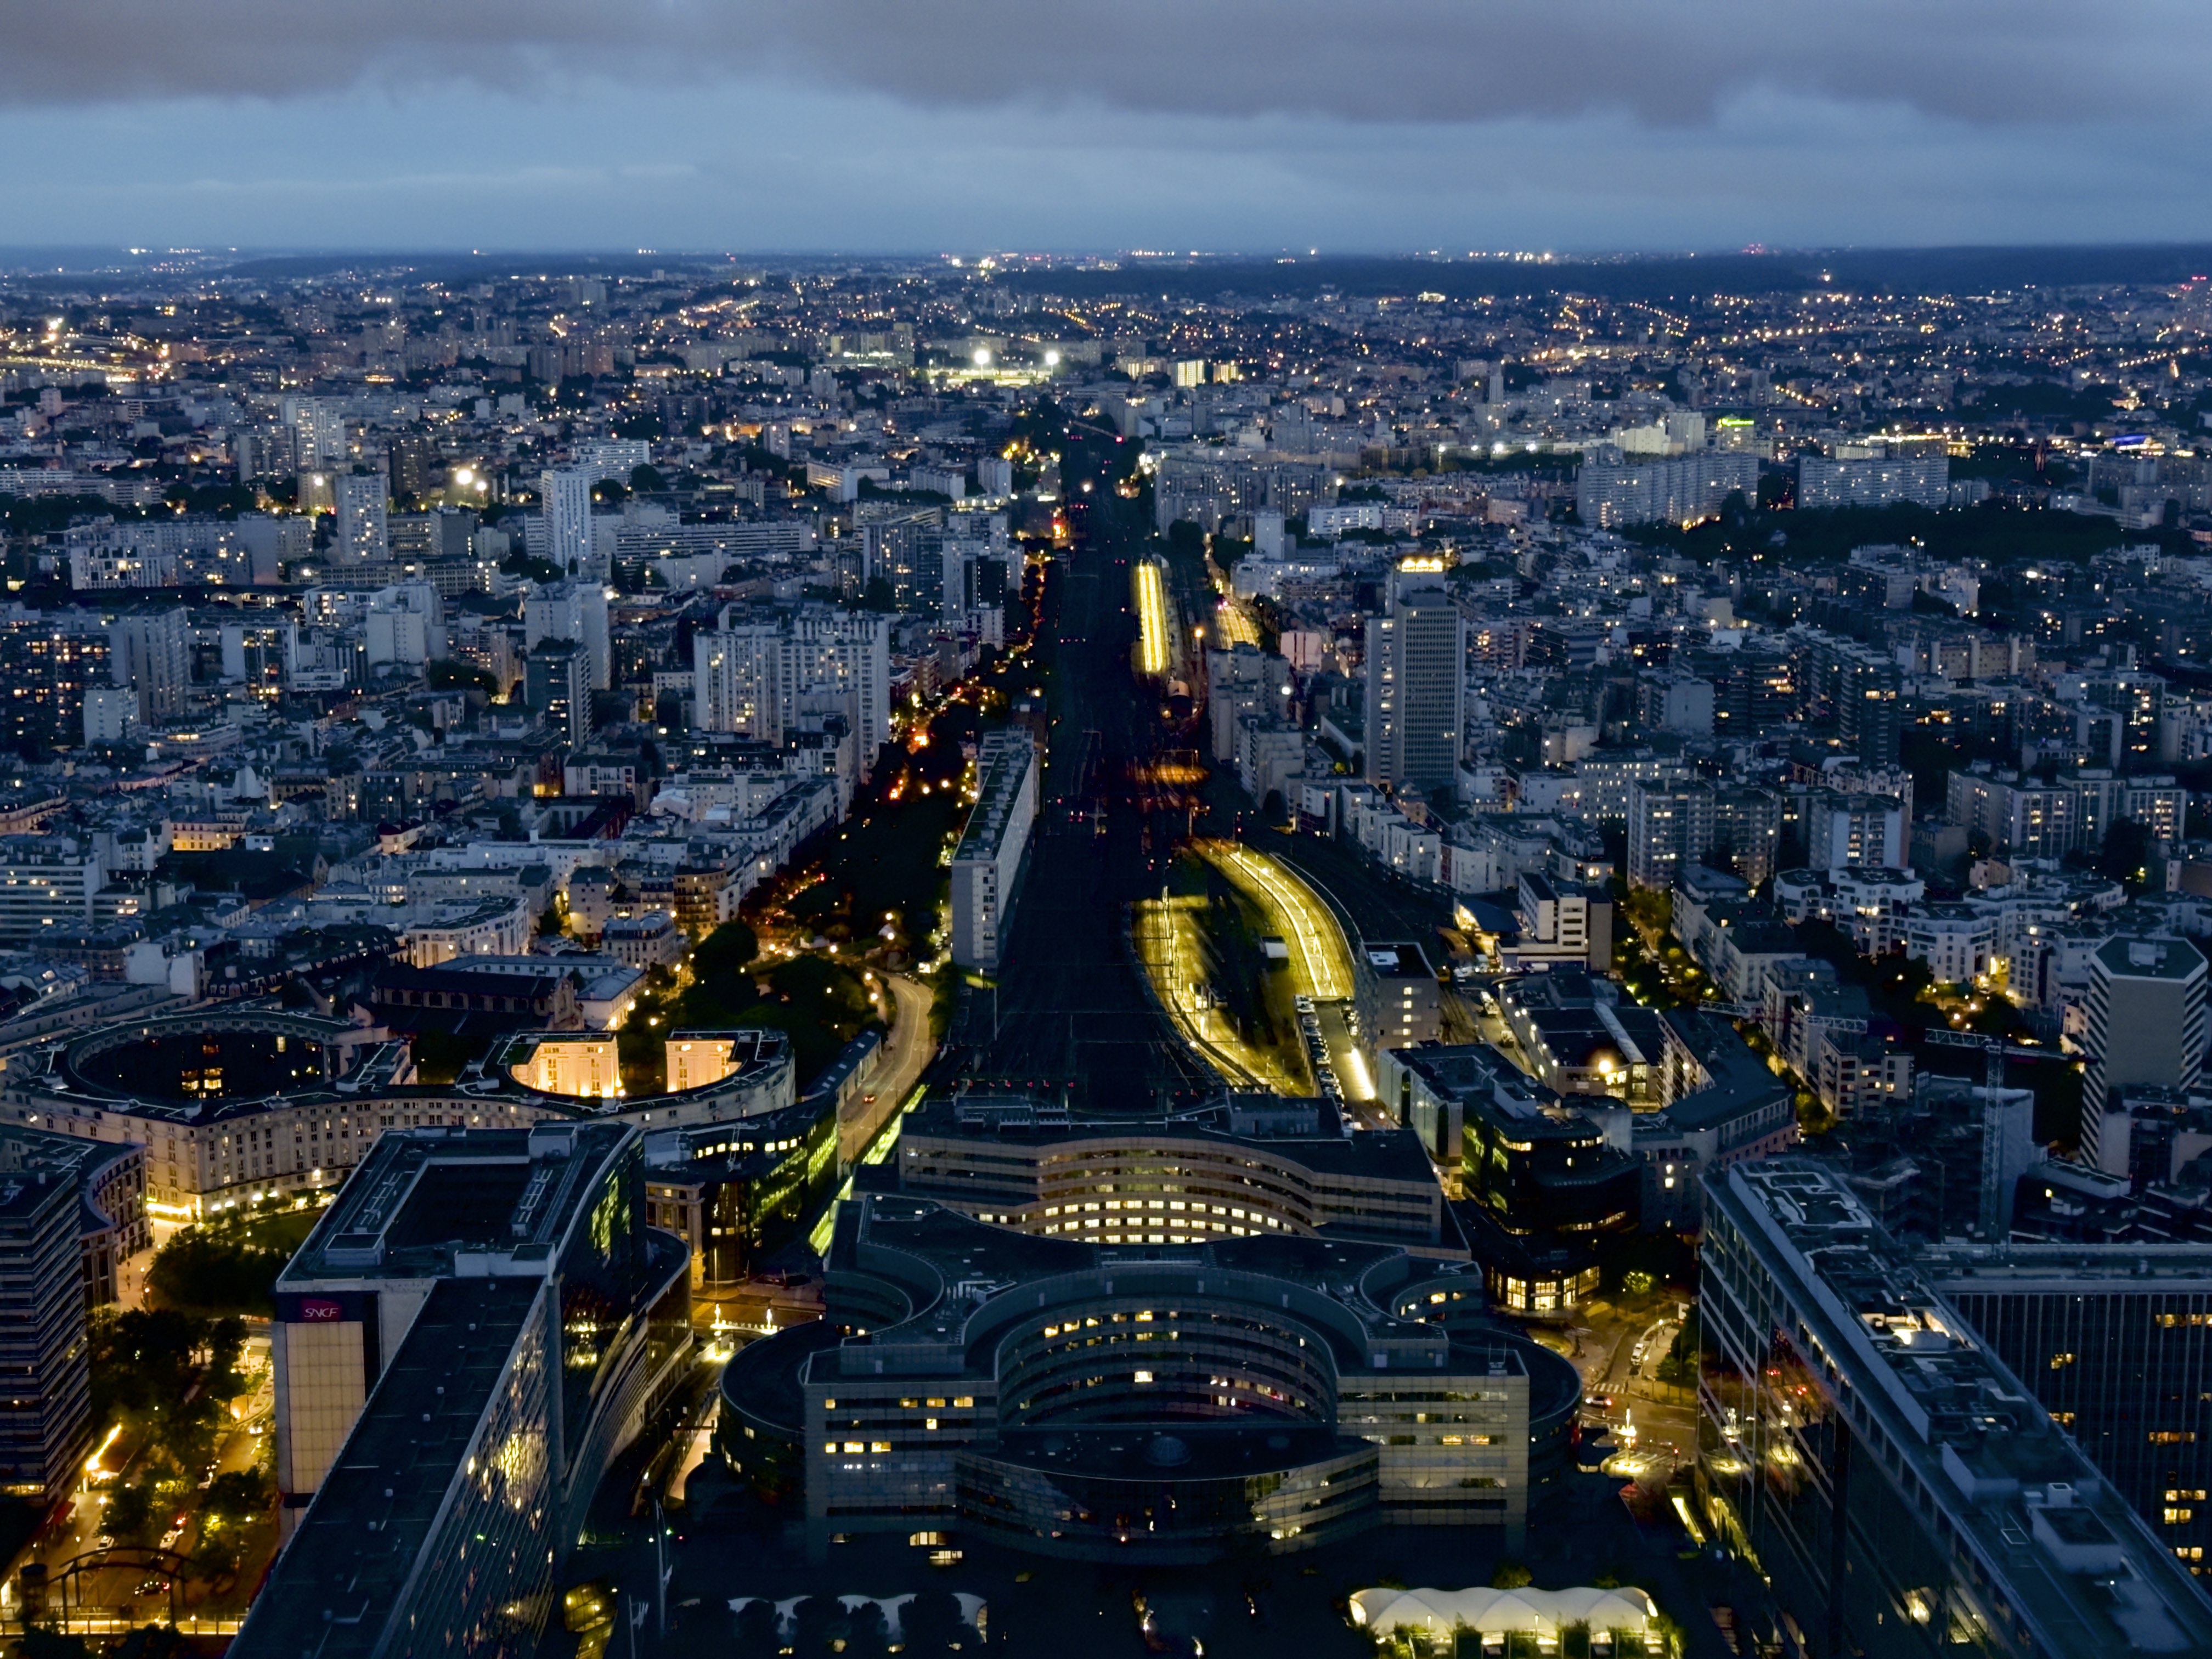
column 1318, row 949
column 1151, row 617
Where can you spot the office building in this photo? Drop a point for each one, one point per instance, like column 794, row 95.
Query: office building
column 565, row 498
column 363, row 535
column 1579, row 1036
column 2147, row 1029
column 240, row 1106
column 1562, row 924
column 994, row 850
column 738, row 1193
column 2116, row 1341
column 45, row 1406
column 1416, row 691
column 474, row 1331
column 149, row 650
column 1162, row 1405
column 1256, row 1166
column 557, row 684
column 1896, row 1482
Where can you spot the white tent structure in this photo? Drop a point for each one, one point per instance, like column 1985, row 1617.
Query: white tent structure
column 1542, row 1614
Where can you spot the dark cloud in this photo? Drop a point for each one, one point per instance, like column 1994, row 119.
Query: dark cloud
column 1664, row 62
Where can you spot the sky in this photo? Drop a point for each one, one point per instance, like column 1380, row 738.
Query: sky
column 1216, row 125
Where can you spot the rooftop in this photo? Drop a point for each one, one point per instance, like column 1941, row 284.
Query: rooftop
column 2071, row 1557
column 2174, row 959
column 360, row 1541
column 428, row 1203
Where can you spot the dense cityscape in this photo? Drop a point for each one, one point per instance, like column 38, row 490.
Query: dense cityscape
column 654, row 907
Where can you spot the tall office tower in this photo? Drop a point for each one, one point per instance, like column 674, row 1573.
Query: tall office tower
column 45, row 1409
column 566, row 494
column 1670, row 828
column 2147, row 1027
column 364, row 536
column 2114, row 1339
column 473, row 1333
column 149, row 650
column 413, row 455
column 987, row 865
column 1894, row 1480
column 557, row 684
column 573, row 610
column 1416, row 691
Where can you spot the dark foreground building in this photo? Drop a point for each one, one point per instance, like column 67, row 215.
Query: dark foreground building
column 1894, row 1480
column 473, row 1331
column 1168, row 1403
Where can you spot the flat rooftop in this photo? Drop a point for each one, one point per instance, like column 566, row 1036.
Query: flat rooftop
column 344, row 1573
column 1004, row 759
column 424, row 1196
column 2072, row 1557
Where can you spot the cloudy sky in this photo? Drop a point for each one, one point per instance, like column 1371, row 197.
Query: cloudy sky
column 1219, row 125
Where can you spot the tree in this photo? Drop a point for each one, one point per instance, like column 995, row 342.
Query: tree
column 647, row 478
column 445, row 674
column 730, row 947
column 129, row 1517
column 1511, row 1575
column 240, row 1494
column 51, row 1645
column 2126, row 853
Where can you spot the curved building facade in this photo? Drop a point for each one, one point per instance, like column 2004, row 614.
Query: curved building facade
column 237, row 1106
column 1164, row 1404
column 1246, row 1167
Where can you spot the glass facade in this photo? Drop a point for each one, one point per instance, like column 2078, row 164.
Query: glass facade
column 486, row 1583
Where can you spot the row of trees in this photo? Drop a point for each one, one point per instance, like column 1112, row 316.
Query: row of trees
column 168, row 1377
